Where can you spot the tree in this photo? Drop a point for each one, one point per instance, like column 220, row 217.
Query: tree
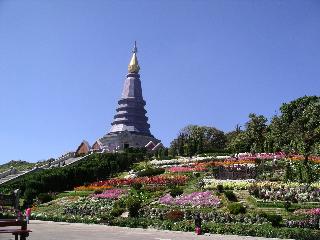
column 297, row 129
column 252, row 138
column 239, row 143
column 195, row 139
column 256, row 129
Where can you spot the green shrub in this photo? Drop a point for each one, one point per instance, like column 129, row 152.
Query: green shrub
column 176, row 191
column 231, row 196
column 174, row 215
column 274, row 219
column 98, row 191
column 196, row 174
column 236, row 208
column 136, row 186
column 287, row 206
column 106, row 218
column 120, row 203
column 94, row 167
column 151, row 172
column 264, row 230
column 133, row 205
column 45, row 197
column 220, row 188
column 116, row 211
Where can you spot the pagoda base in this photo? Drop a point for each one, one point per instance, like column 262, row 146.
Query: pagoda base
column 114, row 142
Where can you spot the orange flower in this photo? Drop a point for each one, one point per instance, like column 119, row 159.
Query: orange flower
column 91, row 188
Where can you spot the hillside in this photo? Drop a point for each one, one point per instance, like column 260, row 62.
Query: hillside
column 17, row 164
column 267, row 194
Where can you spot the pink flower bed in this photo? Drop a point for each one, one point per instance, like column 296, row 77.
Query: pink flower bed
column 159, row 180
column 186, row 169
column 111, row 194
column 195, row 199
column 314, row 211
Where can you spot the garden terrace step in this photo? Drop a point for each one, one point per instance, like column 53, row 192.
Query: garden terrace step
column 242, row 196
column 278, row 211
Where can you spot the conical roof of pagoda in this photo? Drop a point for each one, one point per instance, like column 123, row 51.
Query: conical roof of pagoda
column 130, row 113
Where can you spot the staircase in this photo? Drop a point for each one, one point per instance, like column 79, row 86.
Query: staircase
column 14, row 176
column 60, row 162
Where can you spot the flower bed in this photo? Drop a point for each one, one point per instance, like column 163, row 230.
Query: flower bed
column 196, row 168
column 313, row 211
column 91, row 188
column 195, row 199
column 243, row 229
column 111, row 194
column 306, row 223
column 315, row 159
column 85, row 206
column 233, row 161
column 215, row 216
column 294, row 192
column 159, row 180
column 228, row 184
column 183, row 160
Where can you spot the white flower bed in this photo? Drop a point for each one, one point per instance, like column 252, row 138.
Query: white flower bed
column 228, row 184
column 185, row 160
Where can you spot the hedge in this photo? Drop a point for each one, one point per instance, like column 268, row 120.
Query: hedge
column 95, row 167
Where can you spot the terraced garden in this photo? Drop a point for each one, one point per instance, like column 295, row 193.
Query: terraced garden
column 166, row 194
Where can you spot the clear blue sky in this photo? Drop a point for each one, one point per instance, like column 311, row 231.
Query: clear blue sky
column 63, row 63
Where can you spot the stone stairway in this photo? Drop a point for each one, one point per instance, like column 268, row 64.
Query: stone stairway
column 12, row 176
column 58, row 163
column 242, row 195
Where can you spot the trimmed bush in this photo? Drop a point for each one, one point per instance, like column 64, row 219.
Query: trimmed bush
column 116, row 211
column 287, row 206
column 98, row 191
column 176, row 191
column 274, row 219
column 133, row 205
column 136, row 186
column 151, row 172
column 45, row 197
column 220, row 188
column 231, row 196
column 174, row 215
column 92, row 168
column 236, row 208
column 264, row 230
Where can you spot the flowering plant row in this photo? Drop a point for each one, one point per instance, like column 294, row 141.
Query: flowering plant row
column 234, row 161
column 91, row 188
column 86, row 206
column 215, row 216
column 302, row 193
column 305, row 223
column 160, row 180
column 313, row 211
column 111, row 194
column 182, row 160
column 195, row 199
column 315, row 159
column 277, row 155
column 200, row 167
column 228, row 184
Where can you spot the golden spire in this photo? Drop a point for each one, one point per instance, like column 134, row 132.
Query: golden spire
column 134, row 65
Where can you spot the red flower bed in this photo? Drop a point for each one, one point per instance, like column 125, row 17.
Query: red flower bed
column 159, row 180
column 200, row 167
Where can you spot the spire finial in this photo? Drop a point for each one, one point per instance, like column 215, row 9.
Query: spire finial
column 135, row 49
column 134, row 65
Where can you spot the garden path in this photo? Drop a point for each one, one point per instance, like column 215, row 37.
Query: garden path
column 78, row 231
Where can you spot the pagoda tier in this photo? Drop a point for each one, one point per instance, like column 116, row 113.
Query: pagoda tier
column 131, row 115
column 130, row 127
